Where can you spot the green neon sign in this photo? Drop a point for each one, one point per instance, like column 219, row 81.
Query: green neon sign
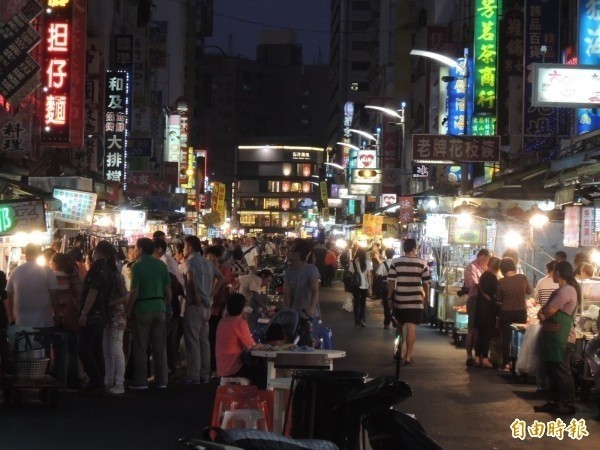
column 485, row 56
column 7, row 218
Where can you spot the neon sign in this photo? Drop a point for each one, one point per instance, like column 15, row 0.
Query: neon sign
column 56, row 69
column 485, row 56
column 22, row 216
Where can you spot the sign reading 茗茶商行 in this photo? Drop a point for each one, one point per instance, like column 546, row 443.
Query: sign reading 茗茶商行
column 443, row 148
column 21, row 216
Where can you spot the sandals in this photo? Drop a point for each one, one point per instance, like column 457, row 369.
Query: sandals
column 409, row 361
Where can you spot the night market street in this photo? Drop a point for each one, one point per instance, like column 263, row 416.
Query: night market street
column 460, row 408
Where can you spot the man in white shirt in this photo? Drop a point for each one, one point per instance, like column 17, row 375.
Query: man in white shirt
column 546, row 286
column 250, row 253
column 31, row 288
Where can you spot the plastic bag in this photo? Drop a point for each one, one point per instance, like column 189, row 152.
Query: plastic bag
column 529, row 354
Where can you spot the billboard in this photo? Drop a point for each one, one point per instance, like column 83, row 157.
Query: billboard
column 444, row 148
column 566, row 86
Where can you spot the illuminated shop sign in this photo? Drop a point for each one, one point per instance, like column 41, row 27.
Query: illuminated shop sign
column 566, row 86
column 173, row 137
column 485, row 58
column 77, row 206
column 388, row 200
column 366, row 176
column 303, row 156
column 22, row 216
column 438, row 148
column 460, row 97
column 367, row 159
column 115, row 126
column 588, row 54
column 56, row 71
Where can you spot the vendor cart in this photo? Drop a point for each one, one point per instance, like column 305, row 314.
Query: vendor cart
column 461, row 327
column 32, row 359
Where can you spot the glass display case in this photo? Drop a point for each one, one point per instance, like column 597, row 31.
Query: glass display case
column 590, row 294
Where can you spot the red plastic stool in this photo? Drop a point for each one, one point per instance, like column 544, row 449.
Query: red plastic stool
column 234, row 396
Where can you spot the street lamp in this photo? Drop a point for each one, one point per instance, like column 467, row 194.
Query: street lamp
column 363, row 133
column 399, row 116
column 463, row 72
column 350, row 146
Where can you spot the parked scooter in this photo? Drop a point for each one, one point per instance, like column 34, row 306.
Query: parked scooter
column 386, row 427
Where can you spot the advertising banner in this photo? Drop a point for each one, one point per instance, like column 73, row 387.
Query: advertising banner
column 572, row 219
column 367, row 159
column 586, row 232
column 367, row 176
column 388, row 200
column 372, row 225
column 406, row 212
column 18, row 216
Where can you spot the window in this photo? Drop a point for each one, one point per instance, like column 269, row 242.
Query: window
column 360, row 26
column 360, row 46
column 361, row 6
column 360, row 65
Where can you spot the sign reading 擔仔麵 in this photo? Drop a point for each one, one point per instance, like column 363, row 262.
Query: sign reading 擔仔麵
column 21, row 216
column 443, row 148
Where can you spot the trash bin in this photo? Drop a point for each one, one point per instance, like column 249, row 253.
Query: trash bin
column 316, row 410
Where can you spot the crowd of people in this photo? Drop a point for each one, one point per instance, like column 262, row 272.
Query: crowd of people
column 121, row 315
column 497, row 298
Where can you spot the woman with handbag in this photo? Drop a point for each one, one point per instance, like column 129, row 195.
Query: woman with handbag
column 361, row 265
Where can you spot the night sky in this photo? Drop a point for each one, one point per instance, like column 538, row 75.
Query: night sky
column 245, row 19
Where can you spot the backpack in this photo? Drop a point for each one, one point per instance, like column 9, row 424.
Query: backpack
column 352, row 280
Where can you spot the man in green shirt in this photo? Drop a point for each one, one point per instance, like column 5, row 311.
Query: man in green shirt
column 150, row 293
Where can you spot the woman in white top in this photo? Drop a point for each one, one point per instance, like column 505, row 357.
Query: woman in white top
column 361, row 265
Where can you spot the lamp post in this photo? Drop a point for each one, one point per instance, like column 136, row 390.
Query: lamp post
column 463, row 72
column 99, row 161
column 399, row 117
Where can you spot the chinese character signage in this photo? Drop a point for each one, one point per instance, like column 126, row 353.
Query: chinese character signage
column 541, row 126
column 17, row 216
column 77, row 206
column 139, row 147
column 460, row 95
column 19, row 73
column 420, row 171
column 56, row 71
column 367, row 159
column 115, row 125
column 586, row 232
column 589, row 54
column 485, row 56
column 429, row 147
column 406, row 212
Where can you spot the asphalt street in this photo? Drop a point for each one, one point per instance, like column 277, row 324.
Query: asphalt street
column 461, row 408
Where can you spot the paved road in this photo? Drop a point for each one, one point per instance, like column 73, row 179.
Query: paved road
column 461, row 408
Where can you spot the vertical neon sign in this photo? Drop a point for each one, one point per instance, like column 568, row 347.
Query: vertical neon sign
column 485, row 58
column 115, row 126
column 56, row 69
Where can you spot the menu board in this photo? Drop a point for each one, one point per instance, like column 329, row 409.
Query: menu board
column 77, row 206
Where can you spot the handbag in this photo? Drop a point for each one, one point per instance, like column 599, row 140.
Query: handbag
column 352, row 280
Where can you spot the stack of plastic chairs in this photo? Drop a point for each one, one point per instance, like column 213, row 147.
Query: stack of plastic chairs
column 240, row 398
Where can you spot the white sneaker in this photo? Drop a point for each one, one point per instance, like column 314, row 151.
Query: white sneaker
column 116, row 390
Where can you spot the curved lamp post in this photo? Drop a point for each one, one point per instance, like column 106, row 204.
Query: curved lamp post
column 363, row 134
column 445, row 60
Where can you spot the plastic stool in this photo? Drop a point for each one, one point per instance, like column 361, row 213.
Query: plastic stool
column 234, row 380
column 281, row 388
column 228, row 394
column 249, row 418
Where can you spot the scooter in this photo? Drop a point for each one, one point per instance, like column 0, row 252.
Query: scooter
column 386, row 427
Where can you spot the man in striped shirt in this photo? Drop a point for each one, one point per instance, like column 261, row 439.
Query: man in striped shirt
column 408, row 288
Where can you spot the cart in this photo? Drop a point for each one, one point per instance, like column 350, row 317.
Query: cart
column 460, row 328
column 33, row 355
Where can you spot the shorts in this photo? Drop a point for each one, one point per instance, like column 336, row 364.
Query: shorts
column 471, row 306
column 408, row 315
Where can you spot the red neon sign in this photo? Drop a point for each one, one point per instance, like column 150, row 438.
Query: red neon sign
column 56, row 67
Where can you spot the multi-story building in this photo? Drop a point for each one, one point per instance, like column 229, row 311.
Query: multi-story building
column 277, row 187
